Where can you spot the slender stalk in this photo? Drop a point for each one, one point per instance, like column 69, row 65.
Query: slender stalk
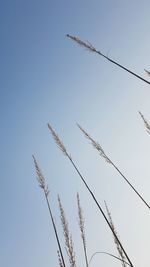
column 101, row 210
column 42, row 184
column 121, row 254
column 109, row 254
column 139, row 195
column 55, row 230
column 98, row 147
column 58, row 141
column 91, row 48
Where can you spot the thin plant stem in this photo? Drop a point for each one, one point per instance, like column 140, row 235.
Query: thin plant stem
column 54, row 134
column 91, row 48
column 109, row 254
column 121, row 254
column 98, row 147
column 42, row 184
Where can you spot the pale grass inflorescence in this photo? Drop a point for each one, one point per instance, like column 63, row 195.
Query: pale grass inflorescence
column 95, row 144
column 42, row 184
column 59, row 143
column 85, row 45
column 40, row 177
column 147, row 125
column 82, row 228
column 121, row 254
column 81, row 220
column 67, row 236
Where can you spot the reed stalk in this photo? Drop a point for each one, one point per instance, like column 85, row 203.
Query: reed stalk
column 88, row 46
column 63, row 149
column 120, row 252
column 42, row 184
column 109, row 254
column 98, row 147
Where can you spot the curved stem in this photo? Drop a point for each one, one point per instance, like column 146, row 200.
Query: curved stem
column 109, row 254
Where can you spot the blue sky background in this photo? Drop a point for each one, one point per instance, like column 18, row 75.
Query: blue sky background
column 47, row 78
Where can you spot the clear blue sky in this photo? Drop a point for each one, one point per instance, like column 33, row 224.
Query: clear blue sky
column 44, row 77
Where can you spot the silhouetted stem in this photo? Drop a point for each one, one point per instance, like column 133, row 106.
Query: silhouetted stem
column 55, row 230
column 91, row 48
column 130, row 184
column 109, row 254
column 101, row 210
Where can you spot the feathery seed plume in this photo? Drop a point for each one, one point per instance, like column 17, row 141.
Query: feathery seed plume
column 95, row 144
column 42, row 184
column 147, row 125
column 102, row 153
column 97, row 203
column 121, row 254
column 57, row 140
column 86, row 45
column 91, row 48
column 82, row 228
column 81, row 219
column 67, row 236
column 40, row 177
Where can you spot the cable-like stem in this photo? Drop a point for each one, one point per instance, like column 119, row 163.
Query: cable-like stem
column 55, row 230
column 109, row 254
column 65, row 152
column 102, row 153
column 44, row 187
column 124, row 68
column 91, row 48
column 139, row 195
column 101, row 210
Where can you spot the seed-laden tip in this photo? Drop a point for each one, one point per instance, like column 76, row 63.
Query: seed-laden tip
column 40, row 177
column 86, row 45
column 95, row 144
column 57, row 140
column 147, row 125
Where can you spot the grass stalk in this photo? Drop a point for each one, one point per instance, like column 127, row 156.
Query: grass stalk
column 91, row 48
column 42, row 184
column 109, row 254
column 60, row 145
column 98, row 147
column 120, row 252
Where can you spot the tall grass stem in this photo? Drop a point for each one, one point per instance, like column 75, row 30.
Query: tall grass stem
column 92, row 195
column 91, row 48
